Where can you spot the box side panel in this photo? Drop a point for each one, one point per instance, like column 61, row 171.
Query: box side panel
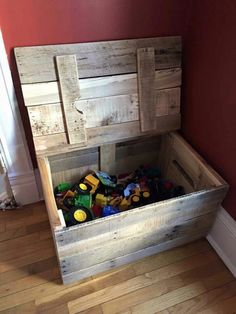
column 182, row 164
column 129, row 258
column 46, row 179
column 108, row 242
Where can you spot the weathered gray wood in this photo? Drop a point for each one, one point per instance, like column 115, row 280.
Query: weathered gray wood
column 97, row 112
column 75, row 162
column 88, row 156
column 36, row 64
column 45, row 173
column 73, row 175
column 69, row 85
column 139, row 242
column 146, row 92
column 159, row 227
column 129, row 156
column 194, row 202
column 108, row 158
column 125, row 84
column 53, row 143
column 99, row 245
column 129, row 258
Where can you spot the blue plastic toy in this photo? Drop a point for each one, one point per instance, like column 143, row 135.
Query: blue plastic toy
column 109, row 210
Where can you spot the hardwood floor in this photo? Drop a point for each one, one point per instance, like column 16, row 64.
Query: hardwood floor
column 189, row 279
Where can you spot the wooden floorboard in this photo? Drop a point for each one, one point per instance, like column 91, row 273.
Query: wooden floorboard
column 188, row 279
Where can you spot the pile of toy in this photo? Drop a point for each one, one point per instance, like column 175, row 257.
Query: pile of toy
column 98, row 194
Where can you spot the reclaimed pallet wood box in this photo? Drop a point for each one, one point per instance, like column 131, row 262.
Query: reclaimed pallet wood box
column 113, row 106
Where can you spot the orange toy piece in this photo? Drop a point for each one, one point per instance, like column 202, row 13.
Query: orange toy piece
column 101, row 200
column 114, row 202
column 69, row 193
column 124, row 205
column 92, row 181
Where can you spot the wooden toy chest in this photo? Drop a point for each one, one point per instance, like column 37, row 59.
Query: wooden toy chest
column 114, row 106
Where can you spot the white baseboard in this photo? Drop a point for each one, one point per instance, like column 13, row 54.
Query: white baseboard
column 24, row 188
column 222, row 237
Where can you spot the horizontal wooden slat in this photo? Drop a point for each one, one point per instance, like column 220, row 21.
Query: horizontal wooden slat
column 112, row 250
column 36, row 64
column 107, row 134
column 48, row 119
column 163, row 226
column 70, row 167
column 122, row 260
column 48, row 93
column 193, row 201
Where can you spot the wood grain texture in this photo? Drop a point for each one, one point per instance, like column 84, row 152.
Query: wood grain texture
column 109, row 89
column 113, row 241
column 44, row 169
column 108, row 158
column 198, row 202
column 35, row 287
column 36, row 64
column 146, row 93
column 140, row 282
column 124, row 84
column 97, row 112
column 69, row 87
column 126, row 251
column 57, row 143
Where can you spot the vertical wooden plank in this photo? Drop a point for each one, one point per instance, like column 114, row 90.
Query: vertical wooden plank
column 69, row 85
column 108, row 158
column 146, row 80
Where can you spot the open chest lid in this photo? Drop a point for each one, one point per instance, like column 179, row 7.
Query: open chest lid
column 90, row 94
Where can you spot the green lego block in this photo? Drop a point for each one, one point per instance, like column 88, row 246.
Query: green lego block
column 83, row 200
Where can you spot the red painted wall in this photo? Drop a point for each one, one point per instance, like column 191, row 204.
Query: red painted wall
column 37, row 22
column 207, row 27
column 209, row 93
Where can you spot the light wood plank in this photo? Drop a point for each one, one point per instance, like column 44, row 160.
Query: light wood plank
column 69, row 87
column 11, row 254
column 44, row 169
column 144, row 294
column 123, row 303
column 125, row 239
column 27, row 259
column 48, row 119
column 123, row 260
column 163, row 273
column 54, row 143
column 125, row 84
column 189, row 204
column 172, row 256
column 108, row 158
column 188, row 154
column 146, row 93
column 174, row 297
column 51, row 302
column 27, row 270
column 36, row 64
column 226, row 307
column 25, row 308
column 29, row 282
column 136, row 283
column 200, row 303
